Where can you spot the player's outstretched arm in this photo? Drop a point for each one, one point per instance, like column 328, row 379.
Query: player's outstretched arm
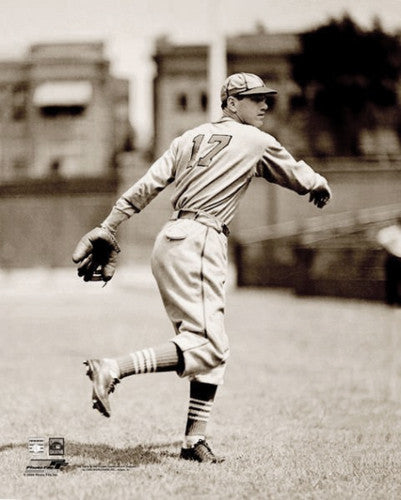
column 279, row 167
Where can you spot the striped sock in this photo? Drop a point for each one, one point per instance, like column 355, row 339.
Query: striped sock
column 162, row 358
column 200, row 406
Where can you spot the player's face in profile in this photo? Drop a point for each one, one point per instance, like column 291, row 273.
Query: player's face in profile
column 252, row 109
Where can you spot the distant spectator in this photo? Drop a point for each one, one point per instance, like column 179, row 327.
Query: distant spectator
column 55, row 167
column 390, row 239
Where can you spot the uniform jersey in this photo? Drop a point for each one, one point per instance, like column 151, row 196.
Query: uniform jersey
column 212, row 166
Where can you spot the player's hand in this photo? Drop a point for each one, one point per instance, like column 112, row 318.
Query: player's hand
column 96, row 255
column 321, row 194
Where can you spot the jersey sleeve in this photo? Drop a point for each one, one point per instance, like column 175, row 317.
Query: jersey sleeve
column 278, row 166
column 159, row 175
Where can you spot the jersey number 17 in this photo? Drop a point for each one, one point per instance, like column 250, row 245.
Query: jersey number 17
column 218, row 141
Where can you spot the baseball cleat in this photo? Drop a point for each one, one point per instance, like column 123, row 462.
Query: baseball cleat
column 103, row 384
column 200, row 452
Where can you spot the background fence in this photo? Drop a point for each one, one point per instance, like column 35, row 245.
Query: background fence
column 41, row 221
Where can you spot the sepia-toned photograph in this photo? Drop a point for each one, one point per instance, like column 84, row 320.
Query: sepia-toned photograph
column 200, row 249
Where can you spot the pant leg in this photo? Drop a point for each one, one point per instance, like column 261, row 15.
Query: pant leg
column 189, row 262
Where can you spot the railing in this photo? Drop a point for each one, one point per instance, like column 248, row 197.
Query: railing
column 340, row 223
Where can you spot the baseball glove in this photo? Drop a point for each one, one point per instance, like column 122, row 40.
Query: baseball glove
column 96, row 255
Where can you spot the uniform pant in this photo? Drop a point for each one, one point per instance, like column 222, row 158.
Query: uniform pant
column 189, row 263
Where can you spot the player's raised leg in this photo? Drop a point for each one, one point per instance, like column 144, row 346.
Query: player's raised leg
column 107, row 372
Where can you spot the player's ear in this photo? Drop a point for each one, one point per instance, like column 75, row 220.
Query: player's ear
column 232, row 103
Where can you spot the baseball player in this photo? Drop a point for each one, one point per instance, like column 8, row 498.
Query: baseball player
column 390, row 239
column 211, row 167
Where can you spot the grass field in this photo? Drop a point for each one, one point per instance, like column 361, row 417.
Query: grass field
column 311, row 407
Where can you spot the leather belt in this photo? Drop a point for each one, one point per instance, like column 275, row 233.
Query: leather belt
column 203, row 218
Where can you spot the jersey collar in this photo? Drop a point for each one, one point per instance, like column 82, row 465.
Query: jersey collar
column 224, row 119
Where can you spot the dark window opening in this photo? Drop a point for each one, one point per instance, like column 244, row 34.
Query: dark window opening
column 60, row 111
column 182, row 102
column 204, row 101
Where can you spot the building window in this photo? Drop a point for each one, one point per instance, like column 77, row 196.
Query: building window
column 182, row 102
column 18, row 103
column 203, row 101
column 61, row 111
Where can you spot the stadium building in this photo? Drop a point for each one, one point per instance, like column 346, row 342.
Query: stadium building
column 62, row 113
column 181, row 94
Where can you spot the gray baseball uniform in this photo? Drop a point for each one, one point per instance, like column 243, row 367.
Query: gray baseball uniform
column 211, row 166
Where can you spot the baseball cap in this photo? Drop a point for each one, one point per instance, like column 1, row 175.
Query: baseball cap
column 244, row 84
